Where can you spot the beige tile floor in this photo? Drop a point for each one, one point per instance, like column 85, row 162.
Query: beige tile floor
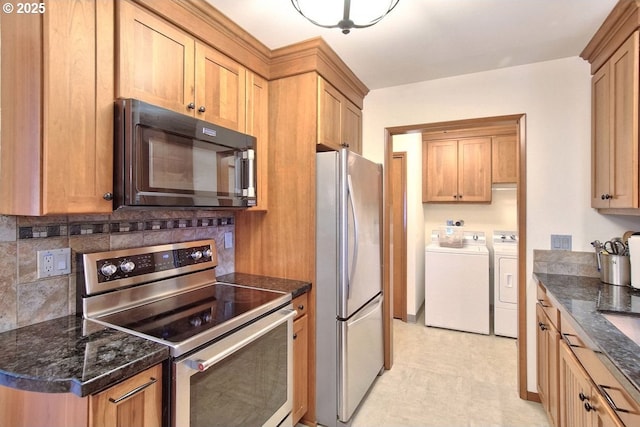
column 448, row 378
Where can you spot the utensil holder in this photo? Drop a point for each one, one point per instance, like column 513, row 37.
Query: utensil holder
column 615, row 269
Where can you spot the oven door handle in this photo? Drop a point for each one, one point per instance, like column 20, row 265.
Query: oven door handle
column 251, row 335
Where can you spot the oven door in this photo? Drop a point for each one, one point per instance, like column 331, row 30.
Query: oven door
column 245, row 379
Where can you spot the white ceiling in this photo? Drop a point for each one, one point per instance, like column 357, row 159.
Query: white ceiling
column 430, row 39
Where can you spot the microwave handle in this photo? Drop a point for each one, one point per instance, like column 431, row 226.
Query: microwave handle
column 249, row 161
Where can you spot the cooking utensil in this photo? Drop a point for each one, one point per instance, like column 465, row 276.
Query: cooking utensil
column 615, row 247
column 598, row 247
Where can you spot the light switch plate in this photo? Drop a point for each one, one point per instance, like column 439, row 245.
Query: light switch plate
column 560, row 242
column 228, row 240
column 54, row 262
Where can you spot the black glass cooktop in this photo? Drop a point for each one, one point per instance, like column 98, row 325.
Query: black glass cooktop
column 178, row 318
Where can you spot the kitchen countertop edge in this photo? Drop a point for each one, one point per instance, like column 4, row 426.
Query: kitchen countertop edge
column 54, row 356
column 577, row 297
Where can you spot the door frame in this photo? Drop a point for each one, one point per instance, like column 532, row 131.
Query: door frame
column 520, row 121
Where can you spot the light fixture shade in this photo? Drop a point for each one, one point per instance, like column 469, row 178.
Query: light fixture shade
column 344, row 14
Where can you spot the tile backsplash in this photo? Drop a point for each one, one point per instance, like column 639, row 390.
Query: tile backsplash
column 565, row 262
column 25, row 299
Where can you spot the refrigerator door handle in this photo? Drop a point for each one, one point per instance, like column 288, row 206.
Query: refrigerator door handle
column 354, row 258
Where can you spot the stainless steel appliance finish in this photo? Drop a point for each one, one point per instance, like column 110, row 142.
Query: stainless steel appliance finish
column 231, row 345
column 349, row 283
column 164, row 158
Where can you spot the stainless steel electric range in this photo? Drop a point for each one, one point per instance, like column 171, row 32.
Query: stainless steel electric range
column 230, row 345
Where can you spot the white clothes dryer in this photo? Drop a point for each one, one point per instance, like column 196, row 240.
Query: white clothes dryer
column 505, row 283
column 457, row 284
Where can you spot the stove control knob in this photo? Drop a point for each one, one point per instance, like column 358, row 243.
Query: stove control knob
column 127, row 266
column 108, row 269
column 207, row 253
column 196, row 255
column 195, row 321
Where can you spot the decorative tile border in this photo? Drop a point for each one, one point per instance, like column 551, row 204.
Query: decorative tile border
column 41, row 231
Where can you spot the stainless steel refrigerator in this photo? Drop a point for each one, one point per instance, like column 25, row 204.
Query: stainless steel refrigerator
column 349, row 343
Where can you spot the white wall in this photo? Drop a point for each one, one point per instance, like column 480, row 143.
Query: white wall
column 555, row 96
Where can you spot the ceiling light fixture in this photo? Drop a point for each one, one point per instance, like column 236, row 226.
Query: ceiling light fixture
column 355, row 13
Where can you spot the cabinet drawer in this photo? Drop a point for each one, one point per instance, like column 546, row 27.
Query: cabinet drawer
column 300, row 305
column 600, row 369
column 550, row 310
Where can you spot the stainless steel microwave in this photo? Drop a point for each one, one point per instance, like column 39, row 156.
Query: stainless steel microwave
column 164, row 158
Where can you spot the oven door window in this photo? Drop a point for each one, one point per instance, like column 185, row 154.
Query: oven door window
column 177, row 166
column 249, row 387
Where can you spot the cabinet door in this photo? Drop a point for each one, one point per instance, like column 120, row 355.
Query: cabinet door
column 133, row 402
column 624, row 127
column 474, row 170
column 542, row 357
column 155, row 60
column 440, row 168
column 257, row 113
column 575, row 392
column 601, row 137
column 329, row 116
column 352, row 126
column 220, row 89
column 57, row 110
column 300, row 368
column 504, row 159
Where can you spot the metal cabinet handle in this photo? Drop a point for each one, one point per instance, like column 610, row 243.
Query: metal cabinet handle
column 603, row 390
column 588, row 407
column 568, row 340
column 134, row 391
column 542, row 303
column 191, row 106
column 301, row 307
column 107, row 196
column 542, row 326
column 582, row 397
column 202, row 109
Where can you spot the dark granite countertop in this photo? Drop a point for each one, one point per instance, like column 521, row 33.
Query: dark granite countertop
column 296, row 287
column 57, row 357
column 578, row 297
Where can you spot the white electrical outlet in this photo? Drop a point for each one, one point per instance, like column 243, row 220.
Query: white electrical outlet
column 54, row 262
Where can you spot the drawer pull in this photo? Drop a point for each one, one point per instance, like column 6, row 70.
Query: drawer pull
column 542, row 326
column 542, row 303
column 603, row 390
column 301, row 307
column 582, row 397
column 134, row 391
column 568, row 340
column 588, row 407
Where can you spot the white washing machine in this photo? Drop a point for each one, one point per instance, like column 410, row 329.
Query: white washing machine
column 505, row 283
column 457, row 284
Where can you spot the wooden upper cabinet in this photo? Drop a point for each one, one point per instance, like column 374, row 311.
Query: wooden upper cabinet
column 457, row 170
column 339, row 120
column 504, row 159
column 160, row 64
column 257, row 124
column 220, row 89
column 615, row 129
column 57, row 109
column 155, row 60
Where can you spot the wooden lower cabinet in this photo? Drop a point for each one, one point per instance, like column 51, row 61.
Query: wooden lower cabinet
column 300, row 359
column 138, row 402
column 548, row 340
column 133, row 402
column 581, row 405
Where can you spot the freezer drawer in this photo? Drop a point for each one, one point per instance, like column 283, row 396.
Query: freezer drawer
column 361, row 353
